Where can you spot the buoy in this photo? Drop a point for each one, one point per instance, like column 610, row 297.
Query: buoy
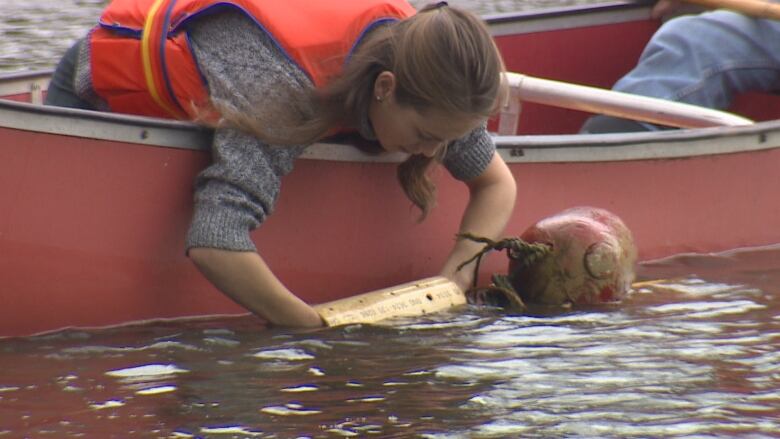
column 592, row 259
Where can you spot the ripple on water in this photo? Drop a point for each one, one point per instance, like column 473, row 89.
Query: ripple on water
column 662, row 364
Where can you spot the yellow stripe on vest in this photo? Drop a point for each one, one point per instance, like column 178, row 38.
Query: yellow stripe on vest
column 146, row 59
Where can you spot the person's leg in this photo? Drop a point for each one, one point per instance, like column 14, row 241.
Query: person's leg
column 61, row 91
column 706, row 59
column 600, row 124
column 703, row 60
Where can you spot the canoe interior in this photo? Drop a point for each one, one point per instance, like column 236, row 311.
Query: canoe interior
column 92, row 229
column 592, row 55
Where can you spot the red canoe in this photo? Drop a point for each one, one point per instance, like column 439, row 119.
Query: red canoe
column 95, row 206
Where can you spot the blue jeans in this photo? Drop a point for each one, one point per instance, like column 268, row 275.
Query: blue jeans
column 704, row 60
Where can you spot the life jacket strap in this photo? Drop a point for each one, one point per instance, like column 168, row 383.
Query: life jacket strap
column 153, row 58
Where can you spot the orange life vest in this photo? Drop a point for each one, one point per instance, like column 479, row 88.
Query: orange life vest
column 142, row 63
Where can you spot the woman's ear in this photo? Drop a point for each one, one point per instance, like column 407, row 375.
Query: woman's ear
column 384, row 86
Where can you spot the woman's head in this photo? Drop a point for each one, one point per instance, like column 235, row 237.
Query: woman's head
column 439, row 64
column 437, row 77
column 424, row 81
column 444, row 58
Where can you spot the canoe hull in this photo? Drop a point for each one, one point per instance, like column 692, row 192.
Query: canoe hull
column 104, row 230
column 95, row 207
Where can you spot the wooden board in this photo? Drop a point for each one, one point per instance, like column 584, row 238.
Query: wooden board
column 411, row 299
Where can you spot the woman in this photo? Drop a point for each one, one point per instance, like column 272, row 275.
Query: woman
column 278, row 79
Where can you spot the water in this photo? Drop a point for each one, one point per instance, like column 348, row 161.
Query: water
column 35, row 33
column 696, row 356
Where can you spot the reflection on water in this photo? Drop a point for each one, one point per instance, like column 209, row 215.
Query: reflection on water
column 695, row 356
column 35, row 33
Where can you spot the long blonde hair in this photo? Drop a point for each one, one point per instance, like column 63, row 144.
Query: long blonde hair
column 443, row 58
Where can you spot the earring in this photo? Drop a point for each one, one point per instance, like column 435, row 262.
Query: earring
column 379, row 98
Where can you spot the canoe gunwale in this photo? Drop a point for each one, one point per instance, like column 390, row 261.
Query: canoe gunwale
column 567, row 11
column 514, row 149
column 650, row 145
column 103, row 126
column 570, row 17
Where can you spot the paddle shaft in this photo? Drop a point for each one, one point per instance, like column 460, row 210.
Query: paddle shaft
column 753, row 8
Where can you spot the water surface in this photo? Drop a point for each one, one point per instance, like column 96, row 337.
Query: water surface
column 694, row 356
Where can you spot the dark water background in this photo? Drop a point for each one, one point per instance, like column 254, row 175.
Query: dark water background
column 694, row 357
column 35, row 33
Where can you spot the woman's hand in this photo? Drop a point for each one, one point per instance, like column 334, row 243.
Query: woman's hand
column 491, row 202
column 245, row 278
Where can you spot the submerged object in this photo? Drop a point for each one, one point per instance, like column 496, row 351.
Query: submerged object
column 582, row 255
column 417, row 298
column 592, row 259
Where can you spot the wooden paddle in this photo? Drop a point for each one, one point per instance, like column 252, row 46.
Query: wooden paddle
column 753, row 8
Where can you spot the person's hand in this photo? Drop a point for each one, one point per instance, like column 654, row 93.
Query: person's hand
column 664, row 7
column 463, row 278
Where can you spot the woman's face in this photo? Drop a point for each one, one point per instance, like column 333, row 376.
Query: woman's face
column 402, row 128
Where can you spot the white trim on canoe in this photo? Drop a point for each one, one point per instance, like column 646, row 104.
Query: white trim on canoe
column 103, row 126
column 517, row 23
column 32, row 82
column 614, row 103
column 514, row 149
column 654, row 145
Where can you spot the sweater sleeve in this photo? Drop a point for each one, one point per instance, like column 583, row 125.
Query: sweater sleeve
column 236, row 193
column 469, row 156
column 239, row 189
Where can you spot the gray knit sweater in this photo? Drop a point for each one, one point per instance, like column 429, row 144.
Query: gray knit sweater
column 236, row 193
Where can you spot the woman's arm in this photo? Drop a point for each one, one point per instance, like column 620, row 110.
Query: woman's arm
column 245, row 278
column 233, row 196
column 491, row 202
